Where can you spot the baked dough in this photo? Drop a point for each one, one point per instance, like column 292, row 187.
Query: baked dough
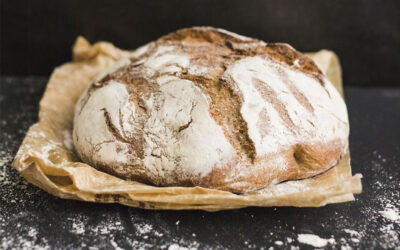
column 206, row 107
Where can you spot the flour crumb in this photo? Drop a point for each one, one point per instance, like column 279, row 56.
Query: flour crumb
column 278, row 243
column 115, row 245
column 314, row 240
column 78, row 227
column 143, row 228
column 390, row 213
column 296, row 63
column 352, row 232
column 176, row 247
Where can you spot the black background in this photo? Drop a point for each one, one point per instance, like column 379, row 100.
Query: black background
column 37, row 35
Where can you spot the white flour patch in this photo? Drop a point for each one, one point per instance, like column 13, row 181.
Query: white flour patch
column 143, row 228
column 390, row 213
column 179, row 247
column 296, row 63
column 68, row 143
column 78, row 228
column 198, row 70
column 176, row 247
column 182, row 105
column 91, row 135
column 107, row 228
column 46, row 150
column 314, row 240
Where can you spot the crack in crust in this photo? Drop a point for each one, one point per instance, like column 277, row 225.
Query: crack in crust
column 185, row 126
column 93, row 87
column 112, row 129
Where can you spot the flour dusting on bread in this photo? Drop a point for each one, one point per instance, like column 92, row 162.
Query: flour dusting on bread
column 256, row 77
column 204, row 106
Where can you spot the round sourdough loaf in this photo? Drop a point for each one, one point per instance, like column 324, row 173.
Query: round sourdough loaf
column 207, row 107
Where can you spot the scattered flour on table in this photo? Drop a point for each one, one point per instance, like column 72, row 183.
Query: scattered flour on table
column 4, row 160
column 15, row 192
column 26, row 240
column 384, row 213
column 79, row 225
column 144, row 233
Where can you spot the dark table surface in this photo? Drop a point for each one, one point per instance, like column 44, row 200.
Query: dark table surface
column 32, row 218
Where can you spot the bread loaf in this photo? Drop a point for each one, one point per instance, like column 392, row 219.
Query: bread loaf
column 207, row 107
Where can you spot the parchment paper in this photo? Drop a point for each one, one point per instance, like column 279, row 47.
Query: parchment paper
column 46, row 157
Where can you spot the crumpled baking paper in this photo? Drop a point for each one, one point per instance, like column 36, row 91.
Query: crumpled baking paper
column 46, row 157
